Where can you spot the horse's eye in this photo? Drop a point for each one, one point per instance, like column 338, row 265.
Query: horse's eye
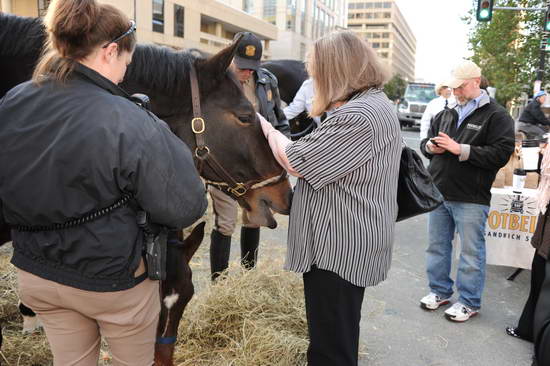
column 245, row 118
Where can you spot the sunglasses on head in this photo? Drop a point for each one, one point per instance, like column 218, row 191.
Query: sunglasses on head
column 131, row 30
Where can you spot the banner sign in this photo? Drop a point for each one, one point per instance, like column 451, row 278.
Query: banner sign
column 510, row 226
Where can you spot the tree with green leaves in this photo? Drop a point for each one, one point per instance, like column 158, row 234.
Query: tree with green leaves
column 395, row 88
column 507, row 47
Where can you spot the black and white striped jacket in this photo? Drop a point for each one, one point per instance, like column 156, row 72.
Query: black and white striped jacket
column 344, row 208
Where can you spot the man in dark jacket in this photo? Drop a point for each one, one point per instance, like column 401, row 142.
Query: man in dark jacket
column 260, row 87
column 467, row 145
column 532, row 120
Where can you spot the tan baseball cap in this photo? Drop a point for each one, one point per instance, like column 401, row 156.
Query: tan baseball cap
column 464, row 71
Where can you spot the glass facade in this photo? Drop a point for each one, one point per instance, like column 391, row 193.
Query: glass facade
column 179, row 16
column 158, row 16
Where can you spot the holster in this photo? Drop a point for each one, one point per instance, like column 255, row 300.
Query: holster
column 155, row 245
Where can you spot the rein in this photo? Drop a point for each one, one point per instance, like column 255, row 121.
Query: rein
column 203, row 155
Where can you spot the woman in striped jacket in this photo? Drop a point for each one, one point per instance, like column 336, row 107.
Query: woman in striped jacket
column 345, row 202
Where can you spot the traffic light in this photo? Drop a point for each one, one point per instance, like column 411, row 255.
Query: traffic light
column 484, row 11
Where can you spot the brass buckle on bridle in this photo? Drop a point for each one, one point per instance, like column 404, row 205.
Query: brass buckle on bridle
column 202, row 126
column 239, row 190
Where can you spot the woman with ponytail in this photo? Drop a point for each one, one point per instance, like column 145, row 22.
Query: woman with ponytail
column 79, row 159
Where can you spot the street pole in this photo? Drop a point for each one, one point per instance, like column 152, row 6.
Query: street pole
column 542, row 59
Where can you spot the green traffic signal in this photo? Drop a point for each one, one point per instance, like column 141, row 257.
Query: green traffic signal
column 484, row 11
column 483, row 14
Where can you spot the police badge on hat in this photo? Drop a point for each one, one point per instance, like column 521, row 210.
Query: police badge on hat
column 249, row 51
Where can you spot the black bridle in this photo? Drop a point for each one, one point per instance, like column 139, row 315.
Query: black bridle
column 203, row 155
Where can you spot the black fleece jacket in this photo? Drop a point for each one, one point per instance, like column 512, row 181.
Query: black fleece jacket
column 68, row 150
column 487, row 139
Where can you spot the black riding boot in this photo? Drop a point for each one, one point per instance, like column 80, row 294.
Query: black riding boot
column 220, row 246
column 250, row 239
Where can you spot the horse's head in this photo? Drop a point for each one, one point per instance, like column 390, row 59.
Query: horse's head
column 231, row 133
column 176, row 291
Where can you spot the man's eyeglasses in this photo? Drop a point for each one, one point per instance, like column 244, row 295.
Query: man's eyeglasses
column 131, row 30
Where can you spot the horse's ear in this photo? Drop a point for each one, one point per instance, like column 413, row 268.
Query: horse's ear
column 218, row 64
column 194, row 240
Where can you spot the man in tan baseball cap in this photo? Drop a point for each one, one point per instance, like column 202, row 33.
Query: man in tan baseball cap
column 464, row 81
column 466, row 146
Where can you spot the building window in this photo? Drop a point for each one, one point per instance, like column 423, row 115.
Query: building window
column 351, row 6
column 303, row 18
column 158, row 16
column 384, row 54
column 385, row 45
column 43, row 7
column 376, row 35
column 387, row 15
column 270, row 11
column 248, row 6
column 359, row 6
column 291, row 15
column 385, row 35
column 179, row 14
column 376, row 45
column 378, row 5
column 368, row 5
column 387, row 5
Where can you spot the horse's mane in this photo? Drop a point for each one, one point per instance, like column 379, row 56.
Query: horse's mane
column 161, row 68
column 21, row 36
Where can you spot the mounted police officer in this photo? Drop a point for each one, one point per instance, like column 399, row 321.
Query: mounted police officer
column 260, row 87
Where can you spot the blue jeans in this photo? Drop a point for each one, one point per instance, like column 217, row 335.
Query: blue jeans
column 469, row 220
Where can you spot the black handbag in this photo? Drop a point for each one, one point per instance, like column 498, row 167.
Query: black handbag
column 416, row 191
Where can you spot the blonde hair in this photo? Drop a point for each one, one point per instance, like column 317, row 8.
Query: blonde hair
column 342, row 64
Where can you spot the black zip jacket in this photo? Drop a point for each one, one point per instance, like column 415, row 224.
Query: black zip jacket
column 487, row 138
column 533, row 114
column 267, row 91
column 68, row 150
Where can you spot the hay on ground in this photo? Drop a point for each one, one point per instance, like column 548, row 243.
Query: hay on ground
column 250, row 318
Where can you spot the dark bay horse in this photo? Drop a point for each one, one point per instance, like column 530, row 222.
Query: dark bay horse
column 231, row 131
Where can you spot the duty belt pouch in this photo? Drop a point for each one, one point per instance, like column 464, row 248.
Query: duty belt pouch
column 155, row 253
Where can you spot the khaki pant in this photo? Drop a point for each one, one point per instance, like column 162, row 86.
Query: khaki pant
column 225, row 212
column 75, row 320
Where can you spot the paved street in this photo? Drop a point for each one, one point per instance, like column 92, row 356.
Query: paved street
column 396, row 331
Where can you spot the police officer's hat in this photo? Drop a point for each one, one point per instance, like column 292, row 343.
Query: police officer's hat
column 249, row 51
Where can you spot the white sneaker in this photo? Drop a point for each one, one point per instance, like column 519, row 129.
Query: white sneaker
column 432, row 301
column 460, row 312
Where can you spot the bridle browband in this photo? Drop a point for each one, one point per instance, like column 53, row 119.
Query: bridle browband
column 203, row 155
